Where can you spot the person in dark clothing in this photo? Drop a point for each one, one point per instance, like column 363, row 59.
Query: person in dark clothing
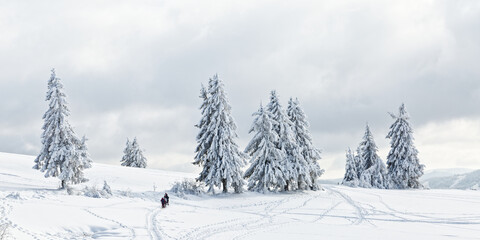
column 167, row 198
column 164, row 203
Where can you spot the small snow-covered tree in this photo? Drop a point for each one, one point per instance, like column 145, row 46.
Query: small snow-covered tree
column 133, row 155
column 218, row 152
column 266, row 171
column 309, row 152
column 351, row 175
column 297, row 170
column 373, row 173
column 404, row 168
column 63, row 154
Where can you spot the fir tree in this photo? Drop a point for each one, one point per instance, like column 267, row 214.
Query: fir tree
column 351, row 175
column 295, row 166
column 204, row 137
column 218, row 152
column 404, row 168
column 133, row 155
column 373, row 173
column 63, row 154
column 266, row 171
column 304, row 140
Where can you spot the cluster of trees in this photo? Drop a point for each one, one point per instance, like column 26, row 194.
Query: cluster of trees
column 64, row 154
column 133, row 155
column 281, row 152
column 403, row 170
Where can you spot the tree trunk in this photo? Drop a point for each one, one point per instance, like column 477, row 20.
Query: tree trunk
column 286, row 186
column 64, row 184
column 224, row 183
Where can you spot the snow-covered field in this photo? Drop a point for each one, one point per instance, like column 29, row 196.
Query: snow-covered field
column 33, row 208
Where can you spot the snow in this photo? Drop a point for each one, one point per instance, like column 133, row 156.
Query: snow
column 35, row 209
column 468, row 180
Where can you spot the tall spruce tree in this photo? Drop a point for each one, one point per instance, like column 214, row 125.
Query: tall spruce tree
column 63, row 154
column 351, row 175
column 404, row 168
column 204, row 137
column 266, row 171
column 304, row 140
column 218, row 152
column 373, row 173
column 295, row 165
column 133, row 155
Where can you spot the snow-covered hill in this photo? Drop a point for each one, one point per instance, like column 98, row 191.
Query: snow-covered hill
column 33, row 208
column 466, row 180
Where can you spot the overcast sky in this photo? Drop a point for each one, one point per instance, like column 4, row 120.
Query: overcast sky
column 134, row 68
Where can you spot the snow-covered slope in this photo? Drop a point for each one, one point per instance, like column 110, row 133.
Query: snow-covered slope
column 444, row 172
column 467, row 180
column 33, row 208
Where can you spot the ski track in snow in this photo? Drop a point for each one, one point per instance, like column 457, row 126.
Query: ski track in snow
column 361, row 212
column 152, row 224
column 261, row 221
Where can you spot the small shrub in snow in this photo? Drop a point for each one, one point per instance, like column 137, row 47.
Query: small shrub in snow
column 188, row 186
column 14, row 195
column 126, row 193
column 106, row 189
column 92, row 192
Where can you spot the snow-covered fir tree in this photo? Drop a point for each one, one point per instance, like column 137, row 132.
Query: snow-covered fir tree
column 266, row 172
column 304, row 140
column 204, row 137
column 218, row 152
column 295, row 167
column 133, row 155
column 404, row 168
column 63, row 154
column 351, row 175
column 373, row 173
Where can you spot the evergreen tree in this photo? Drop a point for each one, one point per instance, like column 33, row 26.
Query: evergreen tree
column 295, row 165
column 404, row 168
column 304, row 140
column 133, row 155
column 266, row 171
column 63, row 154
column 218, row 152
column 351, row 175
column 204, row 137
column 373, row 173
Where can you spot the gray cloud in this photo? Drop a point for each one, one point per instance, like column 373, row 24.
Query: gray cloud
column 135, row 69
